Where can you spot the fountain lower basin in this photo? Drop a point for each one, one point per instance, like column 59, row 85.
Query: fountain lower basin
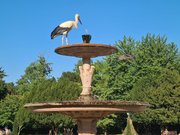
column 87, row 113
column 87, row 109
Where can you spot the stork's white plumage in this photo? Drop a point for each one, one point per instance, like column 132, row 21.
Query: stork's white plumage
column 64, row 28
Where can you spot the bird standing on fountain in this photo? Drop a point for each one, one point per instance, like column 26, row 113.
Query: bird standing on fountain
column 64, row 28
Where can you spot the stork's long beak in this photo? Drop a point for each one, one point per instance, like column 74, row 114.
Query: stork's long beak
column 80, row 21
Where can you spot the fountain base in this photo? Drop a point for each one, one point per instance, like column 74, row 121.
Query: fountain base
column 87, row 113
column 86, row 126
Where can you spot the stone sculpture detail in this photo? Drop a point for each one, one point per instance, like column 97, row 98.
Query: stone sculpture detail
column 86, row 74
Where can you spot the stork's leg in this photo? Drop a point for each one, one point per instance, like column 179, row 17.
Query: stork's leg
column 66, row 40
column 62, row 39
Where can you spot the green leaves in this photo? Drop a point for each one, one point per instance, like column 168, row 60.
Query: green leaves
column 162, row 92
column 8, row 109
column 48, row 90
column 151, row 75
column 149, row 57
column 34, row 73
column 3, row 88
column 107, row 122
column 2, row 73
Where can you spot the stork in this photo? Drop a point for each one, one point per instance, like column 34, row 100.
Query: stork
column 64, row 28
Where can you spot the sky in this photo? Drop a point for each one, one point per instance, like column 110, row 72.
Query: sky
column 26, row 25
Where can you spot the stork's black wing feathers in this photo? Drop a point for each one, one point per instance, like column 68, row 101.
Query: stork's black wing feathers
column 58, row 31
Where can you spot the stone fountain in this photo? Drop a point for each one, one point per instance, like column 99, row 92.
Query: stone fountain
column 87, row 110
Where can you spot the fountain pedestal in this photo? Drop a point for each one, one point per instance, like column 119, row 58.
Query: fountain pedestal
column 86, row 126
column 86, row 74
column 87, row 110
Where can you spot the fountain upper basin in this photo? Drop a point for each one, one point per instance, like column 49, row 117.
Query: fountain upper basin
column 86, row 50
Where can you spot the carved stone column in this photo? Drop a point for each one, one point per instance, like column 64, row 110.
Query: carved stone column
column 86, row 74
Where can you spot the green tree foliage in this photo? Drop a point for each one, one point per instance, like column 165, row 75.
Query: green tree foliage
column 71, row 76
column 162, row 92
column 48, row 90
column 52, row 90
column 120, row 77
column 3, row 88
column 62, row 90
column 8, row 109
column 100, row 86
column 107, row 123
column 135, row 61
column 22, row 119
column 8, row 102
column 150, row 56
column 2, row 73
column 34, row 73
column 11, row 88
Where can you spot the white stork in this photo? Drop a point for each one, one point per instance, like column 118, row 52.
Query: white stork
column 64, row 28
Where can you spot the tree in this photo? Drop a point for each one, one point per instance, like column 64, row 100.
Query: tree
column 107, row 123
column 34, row 73
column 71, row 76
column 3, row 89
column 62, row 90
column 150, row 55
column 2, row 73
column 162, row 92
column 99, row 85
column 45, row 91
column 8, row 109
column 21, row 120
column 148, row 58
column 8, row 103
column 120, row 80
column 11, row 88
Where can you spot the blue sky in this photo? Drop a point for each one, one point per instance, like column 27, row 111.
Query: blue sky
column 25, row 27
